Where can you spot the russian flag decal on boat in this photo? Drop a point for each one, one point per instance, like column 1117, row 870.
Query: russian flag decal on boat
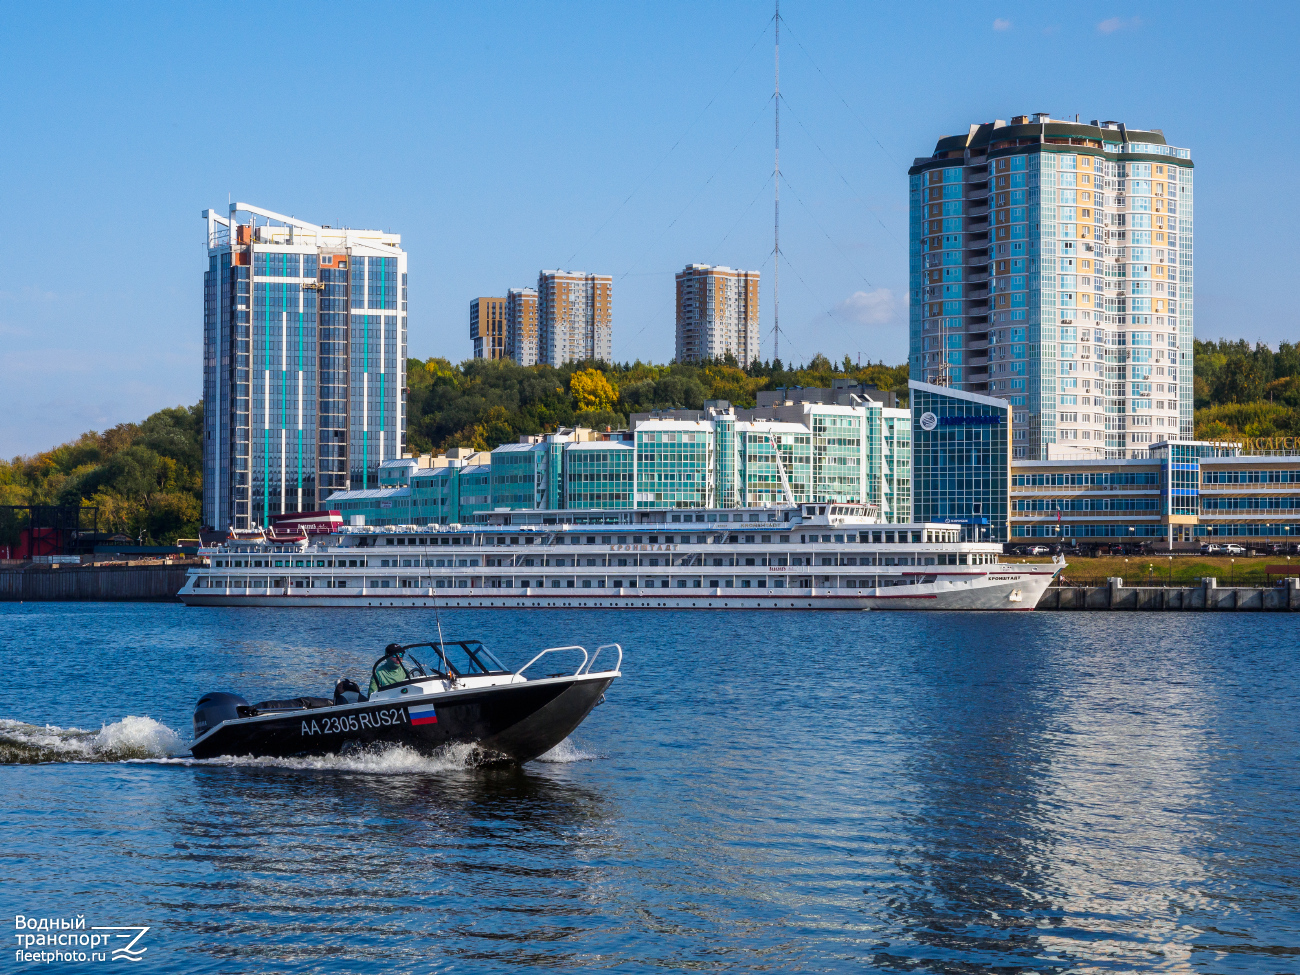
column 423, row 714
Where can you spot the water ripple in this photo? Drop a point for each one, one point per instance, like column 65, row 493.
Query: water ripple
column 830, row 792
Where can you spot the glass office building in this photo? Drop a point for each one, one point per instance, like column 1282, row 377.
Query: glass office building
column 304, row 332
column 960, row 460
column 598, row 474
column 1175, row 496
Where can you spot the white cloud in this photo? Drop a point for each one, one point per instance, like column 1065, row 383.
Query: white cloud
column 1001, row 23
column 1112, row 24
column 868, row 307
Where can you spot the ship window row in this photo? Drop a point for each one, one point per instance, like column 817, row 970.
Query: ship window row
column 246, row 563
column 599, row 583
column 603, row 582
column 881, row 537
column 666, row 561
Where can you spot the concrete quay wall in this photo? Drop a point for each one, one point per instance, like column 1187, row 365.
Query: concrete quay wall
column 1208, row 596
column 107, row 584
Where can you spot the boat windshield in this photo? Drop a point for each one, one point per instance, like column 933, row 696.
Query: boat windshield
column 467, row 658
column 395, row 667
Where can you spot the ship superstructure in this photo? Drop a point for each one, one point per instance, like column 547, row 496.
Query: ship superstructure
column 814, row 556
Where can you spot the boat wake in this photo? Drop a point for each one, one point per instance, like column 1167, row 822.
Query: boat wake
column 131, row 738
column 137, row 739
column 377, row 760
column 565, row 752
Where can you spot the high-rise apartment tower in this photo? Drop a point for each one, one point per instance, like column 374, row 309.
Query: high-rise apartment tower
column 717, row 314
column 1051, row 266
column 574, row 320
column 304, row 363
column 521, row 326
column 487, row 327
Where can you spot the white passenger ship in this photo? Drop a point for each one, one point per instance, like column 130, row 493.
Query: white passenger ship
column 825, row 556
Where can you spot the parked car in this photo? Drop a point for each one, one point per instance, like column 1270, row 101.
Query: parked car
column 1234, row 549
column 1211, row 549
column 1038, row 550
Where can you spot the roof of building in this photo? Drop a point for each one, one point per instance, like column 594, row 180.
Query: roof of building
column 668, row 423
column 370, row 494
column 507, row 448
column 602, row 445
column 1102, row 136
column 959, row 394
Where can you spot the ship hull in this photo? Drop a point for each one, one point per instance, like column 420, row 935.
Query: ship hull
column 1010, row 589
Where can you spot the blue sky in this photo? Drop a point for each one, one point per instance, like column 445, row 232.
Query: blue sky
column 627, row 139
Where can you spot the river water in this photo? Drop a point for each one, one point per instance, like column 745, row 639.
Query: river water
column 835, row 792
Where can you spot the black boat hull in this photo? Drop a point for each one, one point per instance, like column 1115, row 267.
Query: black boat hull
column 509, row 722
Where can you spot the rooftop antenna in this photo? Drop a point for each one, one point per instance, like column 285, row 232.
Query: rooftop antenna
column 776, row 186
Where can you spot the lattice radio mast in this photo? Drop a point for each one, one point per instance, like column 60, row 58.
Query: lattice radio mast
column 776, row 216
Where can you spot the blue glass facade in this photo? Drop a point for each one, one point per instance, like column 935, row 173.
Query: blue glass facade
column 960, row 460
column 673, row 465
column 1177, row 494
column 303, row 382
column 599, row 475
column 283, row 389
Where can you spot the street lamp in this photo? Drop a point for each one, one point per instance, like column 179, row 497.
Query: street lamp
column 1171, row 570
column 1126, row 572
column 1232, row 572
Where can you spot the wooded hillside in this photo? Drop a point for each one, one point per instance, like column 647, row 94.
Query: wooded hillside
column 147, row 477
column 483, row 404
column 144, row 477
column 1246, row 391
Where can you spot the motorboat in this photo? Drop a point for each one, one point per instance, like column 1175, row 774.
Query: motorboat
column 459, row 694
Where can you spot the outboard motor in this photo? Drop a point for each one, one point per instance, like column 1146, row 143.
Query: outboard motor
column 216, row 707
column 347, row 692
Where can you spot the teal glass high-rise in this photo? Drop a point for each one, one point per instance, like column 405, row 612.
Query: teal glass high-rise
column 304, row 363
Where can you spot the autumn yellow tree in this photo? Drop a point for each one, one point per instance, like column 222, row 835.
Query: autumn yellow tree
column 592, row 391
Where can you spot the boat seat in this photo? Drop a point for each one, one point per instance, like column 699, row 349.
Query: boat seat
column 294, row 704
column 347, row 692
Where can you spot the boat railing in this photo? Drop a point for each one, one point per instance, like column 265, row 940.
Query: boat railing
column 591, row 663
column 581, row 666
